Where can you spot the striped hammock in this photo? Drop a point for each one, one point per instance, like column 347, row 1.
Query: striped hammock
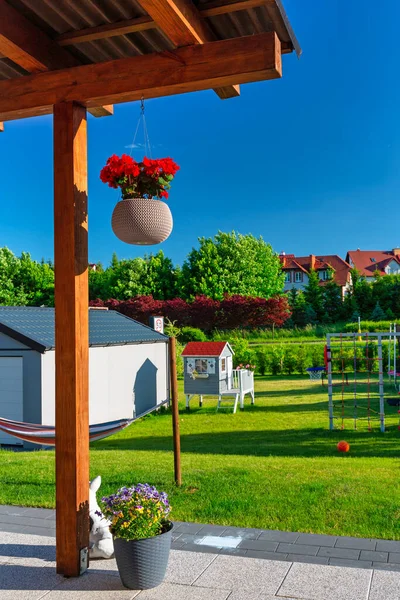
column 45, row 435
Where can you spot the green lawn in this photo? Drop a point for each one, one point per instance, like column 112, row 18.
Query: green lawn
column 272, row 466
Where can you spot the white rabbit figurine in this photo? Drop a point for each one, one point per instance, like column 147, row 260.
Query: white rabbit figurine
column 101, row 543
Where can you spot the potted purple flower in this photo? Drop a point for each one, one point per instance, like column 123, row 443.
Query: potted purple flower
column 142, row 530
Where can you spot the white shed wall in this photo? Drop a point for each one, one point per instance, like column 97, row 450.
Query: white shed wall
column 119, row 376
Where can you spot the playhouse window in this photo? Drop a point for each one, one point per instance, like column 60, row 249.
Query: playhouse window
column 299, row 276
column 200, row 365
column 223, row 365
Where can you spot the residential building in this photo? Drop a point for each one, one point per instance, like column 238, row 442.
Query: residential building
column 368, row 262
column 297, row 268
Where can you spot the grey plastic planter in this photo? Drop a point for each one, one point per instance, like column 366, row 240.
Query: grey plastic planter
column 142, row 563
column 141, row 221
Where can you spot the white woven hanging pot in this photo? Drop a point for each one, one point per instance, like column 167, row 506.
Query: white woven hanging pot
column 142, row 221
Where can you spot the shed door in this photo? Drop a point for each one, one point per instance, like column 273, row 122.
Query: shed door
column 11, row 397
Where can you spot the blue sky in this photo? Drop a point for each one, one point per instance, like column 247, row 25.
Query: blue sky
column 310, row 162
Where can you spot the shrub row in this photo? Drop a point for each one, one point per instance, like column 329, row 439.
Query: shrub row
column 204, row 312
column 276, row 359
column 369, row 326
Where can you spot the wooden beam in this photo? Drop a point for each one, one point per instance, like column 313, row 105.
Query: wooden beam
column 30, row 48
column 183, row 25
column 102, row 111
column 210, row 9
column 175, row 411
column 193, row 68
column 72, row 339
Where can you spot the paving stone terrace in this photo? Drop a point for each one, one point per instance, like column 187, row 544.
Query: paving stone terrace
column 250, row 543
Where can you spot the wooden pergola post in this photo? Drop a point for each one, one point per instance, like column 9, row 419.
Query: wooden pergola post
column 72, row 337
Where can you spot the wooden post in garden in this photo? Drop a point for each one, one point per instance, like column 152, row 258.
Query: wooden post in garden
column 72, row 338
column 175, row 411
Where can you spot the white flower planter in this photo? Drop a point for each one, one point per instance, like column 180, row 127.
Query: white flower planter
column 142, row 221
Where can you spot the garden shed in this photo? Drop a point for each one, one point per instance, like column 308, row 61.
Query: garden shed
column 128, row 367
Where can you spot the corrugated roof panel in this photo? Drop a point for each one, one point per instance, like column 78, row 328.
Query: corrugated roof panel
column 56, row 17
column 105, row 327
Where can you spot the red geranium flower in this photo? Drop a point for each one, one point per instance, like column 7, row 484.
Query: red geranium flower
column 150, row 178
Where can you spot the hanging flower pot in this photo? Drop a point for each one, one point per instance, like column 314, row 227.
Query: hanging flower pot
column 141, row 221
column 141, row 217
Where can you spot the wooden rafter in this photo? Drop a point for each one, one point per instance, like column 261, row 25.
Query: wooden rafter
column 183, row 25
column 210, row 9
column 30, row 48
column 188, row 69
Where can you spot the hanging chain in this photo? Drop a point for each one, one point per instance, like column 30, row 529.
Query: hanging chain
column 146, row 138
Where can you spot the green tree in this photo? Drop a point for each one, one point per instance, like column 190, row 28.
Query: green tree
column 332, row 301
column 161, row 279
column 10, row 294
column 378, row 314
column 231, row 263
column 314, row 295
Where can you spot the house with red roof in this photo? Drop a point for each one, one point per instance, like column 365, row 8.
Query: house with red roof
column 297, row 269
column 368, row 262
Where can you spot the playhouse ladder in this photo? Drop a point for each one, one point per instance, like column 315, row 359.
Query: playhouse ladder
column 235, row 393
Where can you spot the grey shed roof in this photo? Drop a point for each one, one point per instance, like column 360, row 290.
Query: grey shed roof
column 34, row 327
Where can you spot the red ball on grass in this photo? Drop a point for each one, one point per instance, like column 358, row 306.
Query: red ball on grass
column 343, row 446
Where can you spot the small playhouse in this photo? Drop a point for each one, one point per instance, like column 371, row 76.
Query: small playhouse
column 208, row 371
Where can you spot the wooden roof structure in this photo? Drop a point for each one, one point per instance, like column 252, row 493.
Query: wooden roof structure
column 67, row 57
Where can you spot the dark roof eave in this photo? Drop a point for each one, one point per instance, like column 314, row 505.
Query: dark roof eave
column 23, row 339
column 136, row 343
column 292, row 35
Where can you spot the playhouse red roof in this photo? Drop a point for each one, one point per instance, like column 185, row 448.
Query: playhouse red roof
column 204, row 349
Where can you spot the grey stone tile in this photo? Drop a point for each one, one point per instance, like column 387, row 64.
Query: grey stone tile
column 385, row 586
column 264, row 555
column 356, row 543
column 177, row 545
column 175, row 536
column 170, row 591
column 394, row 557
column 40, row 513
column 373, row 555
column 188, row 537
column 12, row 510
column 10, row 528
column 345, row 562
column 192, row 528
column 264, row 545
column 235, row 551
column 321, row 582
column 245, row 534
column 212, row 530
column 237, row 573
column 279, row 536
column 23, row 521
column 386, row 566
column 315, row 560
column 27, row 580
column 242, row 595
column 387, row 546
column 347, row 553
column 197, row 548
column 38, row 531
column 298, row 549
column 92, row 586
column 313, row 539
column 185, row 567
